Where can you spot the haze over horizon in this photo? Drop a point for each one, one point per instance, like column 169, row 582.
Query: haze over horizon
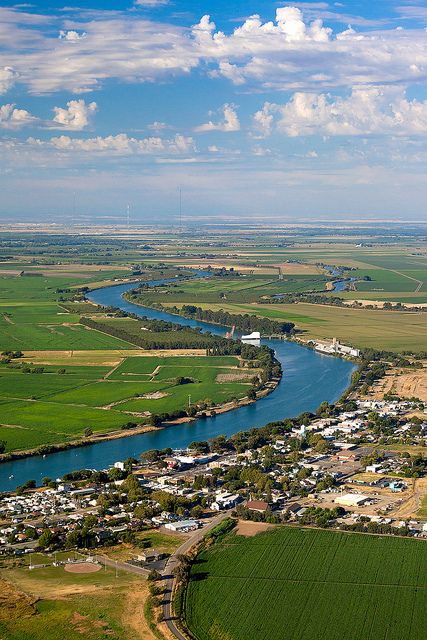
column 258, row 110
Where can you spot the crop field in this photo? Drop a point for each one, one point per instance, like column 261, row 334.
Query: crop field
column 389, row 330
column 292, row 583
column 57, row 404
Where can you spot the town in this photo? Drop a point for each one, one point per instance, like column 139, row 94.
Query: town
column 342, row 468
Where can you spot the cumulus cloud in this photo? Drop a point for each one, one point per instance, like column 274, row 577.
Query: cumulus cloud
column 13, row 118
column 120, row 144
column 71, row 35
column 7, row 79
column 229, row 124
column 295, row 51
column 291, row 53
column 76, row 116
column 366, row 111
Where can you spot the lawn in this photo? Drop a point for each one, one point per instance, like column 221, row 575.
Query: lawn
column 290, row 584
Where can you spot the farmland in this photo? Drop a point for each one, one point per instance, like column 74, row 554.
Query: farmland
column 299, row 583
column 57, row 404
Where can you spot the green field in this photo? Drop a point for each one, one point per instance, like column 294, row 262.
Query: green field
column 300, row 584
column 57, row 406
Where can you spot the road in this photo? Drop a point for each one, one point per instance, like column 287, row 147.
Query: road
column 172, row 563
column 122, row 566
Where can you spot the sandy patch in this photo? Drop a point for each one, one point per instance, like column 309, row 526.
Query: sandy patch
column 157, row 395
column 248, row 529
column 82, row 567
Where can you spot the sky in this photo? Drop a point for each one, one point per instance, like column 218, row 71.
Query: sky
column 255, row 109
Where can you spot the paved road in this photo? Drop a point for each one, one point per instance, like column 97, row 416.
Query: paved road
column 172, row 563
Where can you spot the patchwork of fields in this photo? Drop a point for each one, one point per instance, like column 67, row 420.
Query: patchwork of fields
column 59, row 404
column 303, row 583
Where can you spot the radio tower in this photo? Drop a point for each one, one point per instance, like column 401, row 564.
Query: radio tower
column 180, row 210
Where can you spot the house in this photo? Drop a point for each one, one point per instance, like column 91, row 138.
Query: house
column 225, row 501
column 149, row 555
column 257, row 505
column 293, row 508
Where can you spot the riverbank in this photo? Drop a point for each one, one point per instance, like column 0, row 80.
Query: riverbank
column 310, row 378
column 268, row 388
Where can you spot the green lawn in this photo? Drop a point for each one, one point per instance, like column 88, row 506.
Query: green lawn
column 290, row 584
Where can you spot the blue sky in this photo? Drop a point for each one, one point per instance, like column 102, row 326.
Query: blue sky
column 256, row 109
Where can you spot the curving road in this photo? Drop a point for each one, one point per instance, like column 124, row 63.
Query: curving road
column 172, row 563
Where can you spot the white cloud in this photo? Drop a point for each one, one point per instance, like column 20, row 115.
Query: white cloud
column 7, row 79
column 150, row 3
column 291, row 54
column 367, row 111
column 229, row 124
column 120, row 144
column 92, row 47
column 71, row 36
column 295, row 51
column 76, row 116
column 12, row 118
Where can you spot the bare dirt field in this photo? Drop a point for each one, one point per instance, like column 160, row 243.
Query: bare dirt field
column 403, row 383
column 82, row 567
column 248, row 529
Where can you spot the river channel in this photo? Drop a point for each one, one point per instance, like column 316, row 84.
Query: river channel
column 308, row 379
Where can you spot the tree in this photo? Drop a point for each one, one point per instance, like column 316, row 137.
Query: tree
column 3, row 446
column 87, row 432
column 47, row 539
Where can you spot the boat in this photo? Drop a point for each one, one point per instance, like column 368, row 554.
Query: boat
column 252, row 338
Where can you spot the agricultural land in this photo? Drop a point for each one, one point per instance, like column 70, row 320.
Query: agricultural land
column 309, row 583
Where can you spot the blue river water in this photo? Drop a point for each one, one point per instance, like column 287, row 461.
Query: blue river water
column 308, row 379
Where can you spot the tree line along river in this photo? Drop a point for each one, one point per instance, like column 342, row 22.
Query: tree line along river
column 308, row 379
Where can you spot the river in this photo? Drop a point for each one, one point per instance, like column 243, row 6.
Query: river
column 308, row 379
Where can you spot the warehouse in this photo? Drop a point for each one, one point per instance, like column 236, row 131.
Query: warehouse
column 351, row 499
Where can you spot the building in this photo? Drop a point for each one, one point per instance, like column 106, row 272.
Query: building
column 149, row 555
column 182, row 526
column 351, row 499
column 257, row 505
column 336, row 348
